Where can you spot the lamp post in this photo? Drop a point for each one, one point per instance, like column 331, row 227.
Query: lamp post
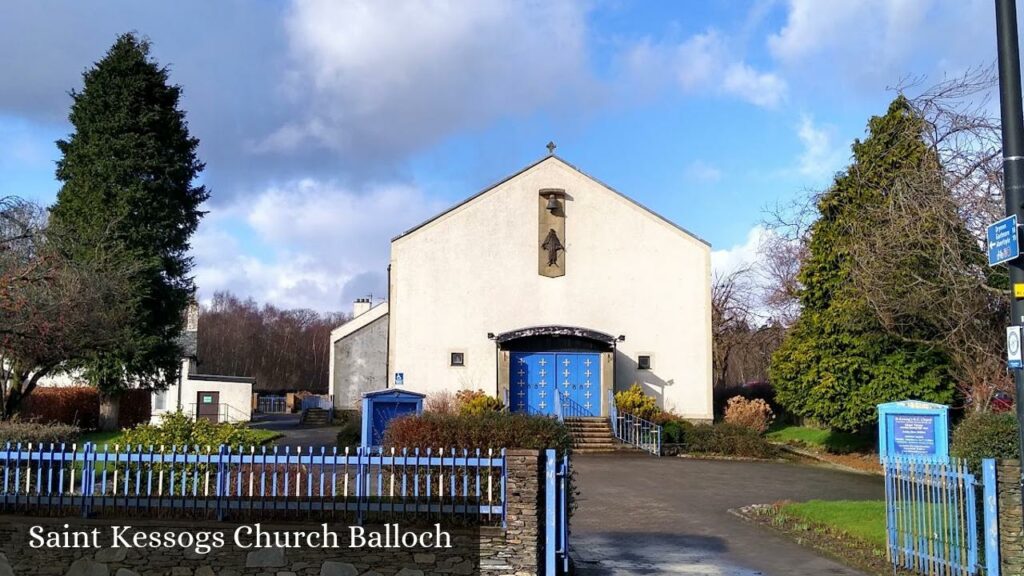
column 1013, row 163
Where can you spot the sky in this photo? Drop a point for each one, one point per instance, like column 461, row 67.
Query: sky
column 330, row 126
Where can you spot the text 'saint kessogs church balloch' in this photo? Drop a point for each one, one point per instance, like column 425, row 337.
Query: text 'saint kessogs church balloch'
column 547, row 287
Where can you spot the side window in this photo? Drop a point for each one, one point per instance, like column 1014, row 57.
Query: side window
column 458, row 359
column 643, row 361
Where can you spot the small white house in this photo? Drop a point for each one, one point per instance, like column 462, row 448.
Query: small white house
column 215, row 398
column 547, row 285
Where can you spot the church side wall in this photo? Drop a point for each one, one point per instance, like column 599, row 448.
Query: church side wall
column 359, row 364
column 474, row 271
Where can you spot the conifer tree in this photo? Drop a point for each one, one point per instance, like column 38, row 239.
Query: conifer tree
column 838, row 362
column 128, row 176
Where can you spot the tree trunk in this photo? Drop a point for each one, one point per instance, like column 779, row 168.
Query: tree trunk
column 110, row 408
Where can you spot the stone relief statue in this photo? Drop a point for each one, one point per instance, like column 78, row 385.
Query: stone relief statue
column 552, row 244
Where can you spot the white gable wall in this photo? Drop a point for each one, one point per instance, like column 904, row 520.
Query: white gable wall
column 474, row 271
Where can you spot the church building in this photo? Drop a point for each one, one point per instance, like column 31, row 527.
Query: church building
column 549, row 286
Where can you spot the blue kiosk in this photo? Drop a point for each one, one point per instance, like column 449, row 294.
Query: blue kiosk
column 382, row 406
column 913, row 429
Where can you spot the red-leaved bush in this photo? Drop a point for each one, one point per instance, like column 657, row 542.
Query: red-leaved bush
column 484, row 430
column 73, row 405
column 80, row 406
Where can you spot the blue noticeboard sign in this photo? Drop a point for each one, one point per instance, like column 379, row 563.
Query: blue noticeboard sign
column 1002, row 241
column 913, row 429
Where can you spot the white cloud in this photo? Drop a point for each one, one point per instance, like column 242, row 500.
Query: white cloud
column 321, row 243
column 739, row 256
column 874, row 43
column 696, row 61
column 763, row 89
column 703, row 172
column 700, row 63
column 821, row 157
column 397, row 76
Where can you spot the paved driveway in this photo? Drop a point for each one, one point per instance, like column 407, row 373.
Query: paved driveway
column 295, row 434
column 639, row 514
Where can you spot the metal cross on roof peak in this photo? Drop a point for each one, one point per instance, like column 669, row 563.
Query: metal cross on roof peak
column 551, row 148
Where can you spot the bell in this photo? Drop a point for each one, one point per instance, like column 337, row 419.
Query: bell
column 552, row 203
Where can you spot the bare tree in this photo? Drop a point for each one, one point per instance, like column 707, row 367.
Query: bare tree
column 282, row 349
column 743, row 341
column 52, row 310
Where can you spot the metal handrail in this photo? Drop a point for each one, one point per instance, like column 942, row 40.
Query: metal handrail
column 613, row 411
column 224, row 413
column 635, row 430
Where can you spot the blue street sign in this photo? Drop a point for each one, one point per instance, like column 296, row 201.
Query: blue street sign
column 1003, row 245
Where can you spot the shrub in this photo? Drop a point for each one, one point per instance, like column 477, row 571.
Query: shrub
column 675, row 431
column 763, row 391
column 985, row 435
column 15, row 431
column 441, row 402
column 728, row 440
column 72, row 405
column 753, row 414
column 351, row 432
column 494, row 430
column 635, row 402
column 477, row 402
column 177, row 429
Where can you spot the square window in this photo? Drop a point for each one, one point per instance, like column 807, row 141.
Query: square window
column 643, row 362
column 458, row 359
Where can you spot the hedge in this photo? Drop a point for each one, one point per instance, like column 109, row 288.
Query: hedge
column 494, row 430
column 80, row 406
column 73, row 405
column 985, row 435
column 722, row 439
column 15, row 431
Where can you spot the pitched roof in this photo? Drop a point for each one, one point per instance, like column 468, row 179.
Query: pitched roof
column 531, row 166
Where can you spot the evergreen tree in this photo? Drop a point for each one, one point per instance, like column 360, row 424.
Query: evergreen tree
column 128, row 172
column 838, row 362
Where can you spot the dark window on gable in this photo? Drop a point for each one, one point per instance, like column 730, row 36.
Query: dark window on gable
column 643, row 362
column 458, row 359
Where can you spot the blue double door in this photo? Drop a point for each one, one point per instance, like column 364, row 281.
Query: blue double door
column 539, row 379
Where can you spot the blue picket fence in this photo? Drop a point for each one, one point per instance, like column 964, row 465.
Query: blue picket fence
column 932, row 513
column 255, row 482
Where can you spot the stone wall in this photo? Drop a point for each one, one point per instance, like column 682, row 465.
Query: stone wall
column 1011, row 539
column 475, row 550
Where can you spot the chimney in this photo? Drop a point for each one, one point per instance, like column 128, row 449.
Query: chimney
column 192, row 317
column 360, row 306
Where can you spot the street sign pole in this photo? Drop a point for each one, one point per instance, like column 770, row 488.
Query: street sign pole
column 1013, row 163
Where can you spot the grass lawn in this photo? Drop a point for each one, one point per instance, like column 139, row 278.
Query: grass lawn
column 832, row 441
column 101, row 438
column 864, row 519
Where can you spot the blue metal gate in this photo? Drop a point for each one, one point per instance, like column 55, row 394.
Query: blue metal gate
column 932, row 517
column 538, row 378
column 556, row 514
